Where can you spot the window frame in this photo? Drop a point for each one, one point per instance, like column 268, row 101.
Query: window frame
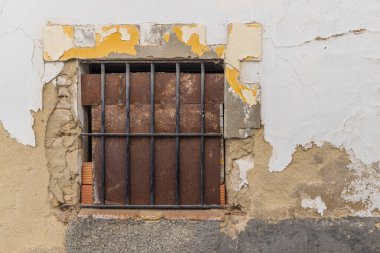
column 152, row 134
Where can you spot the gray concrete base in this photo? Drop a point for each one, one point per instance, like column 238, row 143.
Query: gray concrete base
column 108, row 236
column 299, row 235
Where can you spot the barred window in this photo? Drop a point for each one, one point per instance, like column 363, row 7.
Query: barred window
column 154, row 134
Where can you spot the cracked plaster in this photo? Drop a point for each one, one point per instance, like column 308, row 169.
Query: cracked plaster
column 282, row 73
column 319, row 82
column 319, row 78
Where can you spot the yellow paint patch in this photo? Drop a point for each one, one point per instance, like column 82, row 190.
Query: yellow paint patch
column 68, row 30
column 250, row 58
column 255, row 25
column 247, row 94
column 166, row 37
column 196, row 46
column 219, row 50
column 47, row 57
column 194, row 40
column 112, row 43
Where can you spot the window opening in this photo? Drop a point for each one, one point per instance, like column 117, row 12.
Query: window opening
column 155, row 133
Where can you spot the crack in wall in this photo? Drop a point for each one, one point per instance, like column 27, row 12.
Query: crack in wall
column 320, row 38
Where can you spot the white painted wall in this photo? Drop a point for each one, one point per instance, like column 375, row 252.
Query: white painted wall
column 312, row 90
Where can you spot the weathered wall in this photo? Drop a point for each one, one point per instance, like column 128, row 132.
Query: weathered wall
column 27, row 221
column 317, row 153
column 323, row 54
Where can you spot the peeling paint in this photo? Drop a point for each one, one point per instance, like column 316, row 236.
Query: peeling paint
column 115, row 39
column 245, row 164
column 51, row 70
column 248, row 94
column 57, row 40
column 316, row 204
column 244, row 44
column 194, row 36
column 220, row 50
column 365, row 188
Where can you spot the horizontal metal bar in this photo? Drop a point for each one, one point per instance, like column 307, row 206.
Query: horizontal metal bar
column 163, row 60
column 152, row 206
column 153, row 134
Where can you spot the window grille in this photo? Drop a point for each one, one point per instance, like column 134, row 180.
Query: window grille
column 165, row 115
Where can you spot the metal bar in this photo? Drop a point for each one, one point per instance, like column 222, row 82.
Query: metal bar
column 127, row 130
column 153, row 134
column 221, row 123
column 152, row 155
column 177, row 130
column 202, row 132
column 152, row 207
column 216, row 61
column 102, row 144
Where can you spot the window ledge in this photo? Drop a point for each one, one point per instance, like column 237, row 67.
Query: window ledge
column 214, row 214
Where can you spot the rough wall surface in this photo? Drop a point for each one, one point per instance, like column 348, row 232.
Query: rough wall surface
column 100, row 235
column 298, row 235
column 63, row 144
column 318, row 71
column 319, row 79
column 27, row 222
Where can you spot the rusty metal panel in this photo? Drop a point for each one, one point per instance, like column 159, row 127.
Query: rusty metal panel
column 190, row 120
column 115, row 177
column 115, row 119
column 165, row 154
column 140, row 88
column 98, row 193
column 90, row 89
column 190, row 171
column 115, row 149
column 164, row 88
column 140, row 169
column 165, row 173
column 212, row 171
column 115, row 89
column 191, row 88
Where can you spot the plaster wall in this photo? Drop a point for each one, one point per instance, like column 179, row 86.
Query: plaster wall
column 317, row 153
column 318, row 74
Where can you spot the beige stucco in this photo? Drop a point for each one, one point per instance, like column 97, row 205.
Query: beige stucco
column 27, row 220
column 39, row 186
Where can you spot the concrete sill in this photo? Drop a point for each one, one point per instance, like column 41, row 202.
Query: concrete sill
column 214, row 214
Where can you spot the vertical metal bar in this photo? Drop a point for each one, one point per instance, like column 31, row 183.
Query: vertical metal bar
column 102, row 144
column 152, row 153
column 177, row 130
column 127, row 130
column 221, row 124
column 202, row 132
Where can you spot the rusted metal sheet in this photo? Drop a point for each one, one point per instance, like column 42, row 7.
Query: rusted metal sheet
column 165, row 173
column 190, row 118
column 165, row 148
column 212, row 171
column 114, row 172
column 190, row 171
column 114, row 89
column 140, row 168
column 140, row 88
column 191, row 88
